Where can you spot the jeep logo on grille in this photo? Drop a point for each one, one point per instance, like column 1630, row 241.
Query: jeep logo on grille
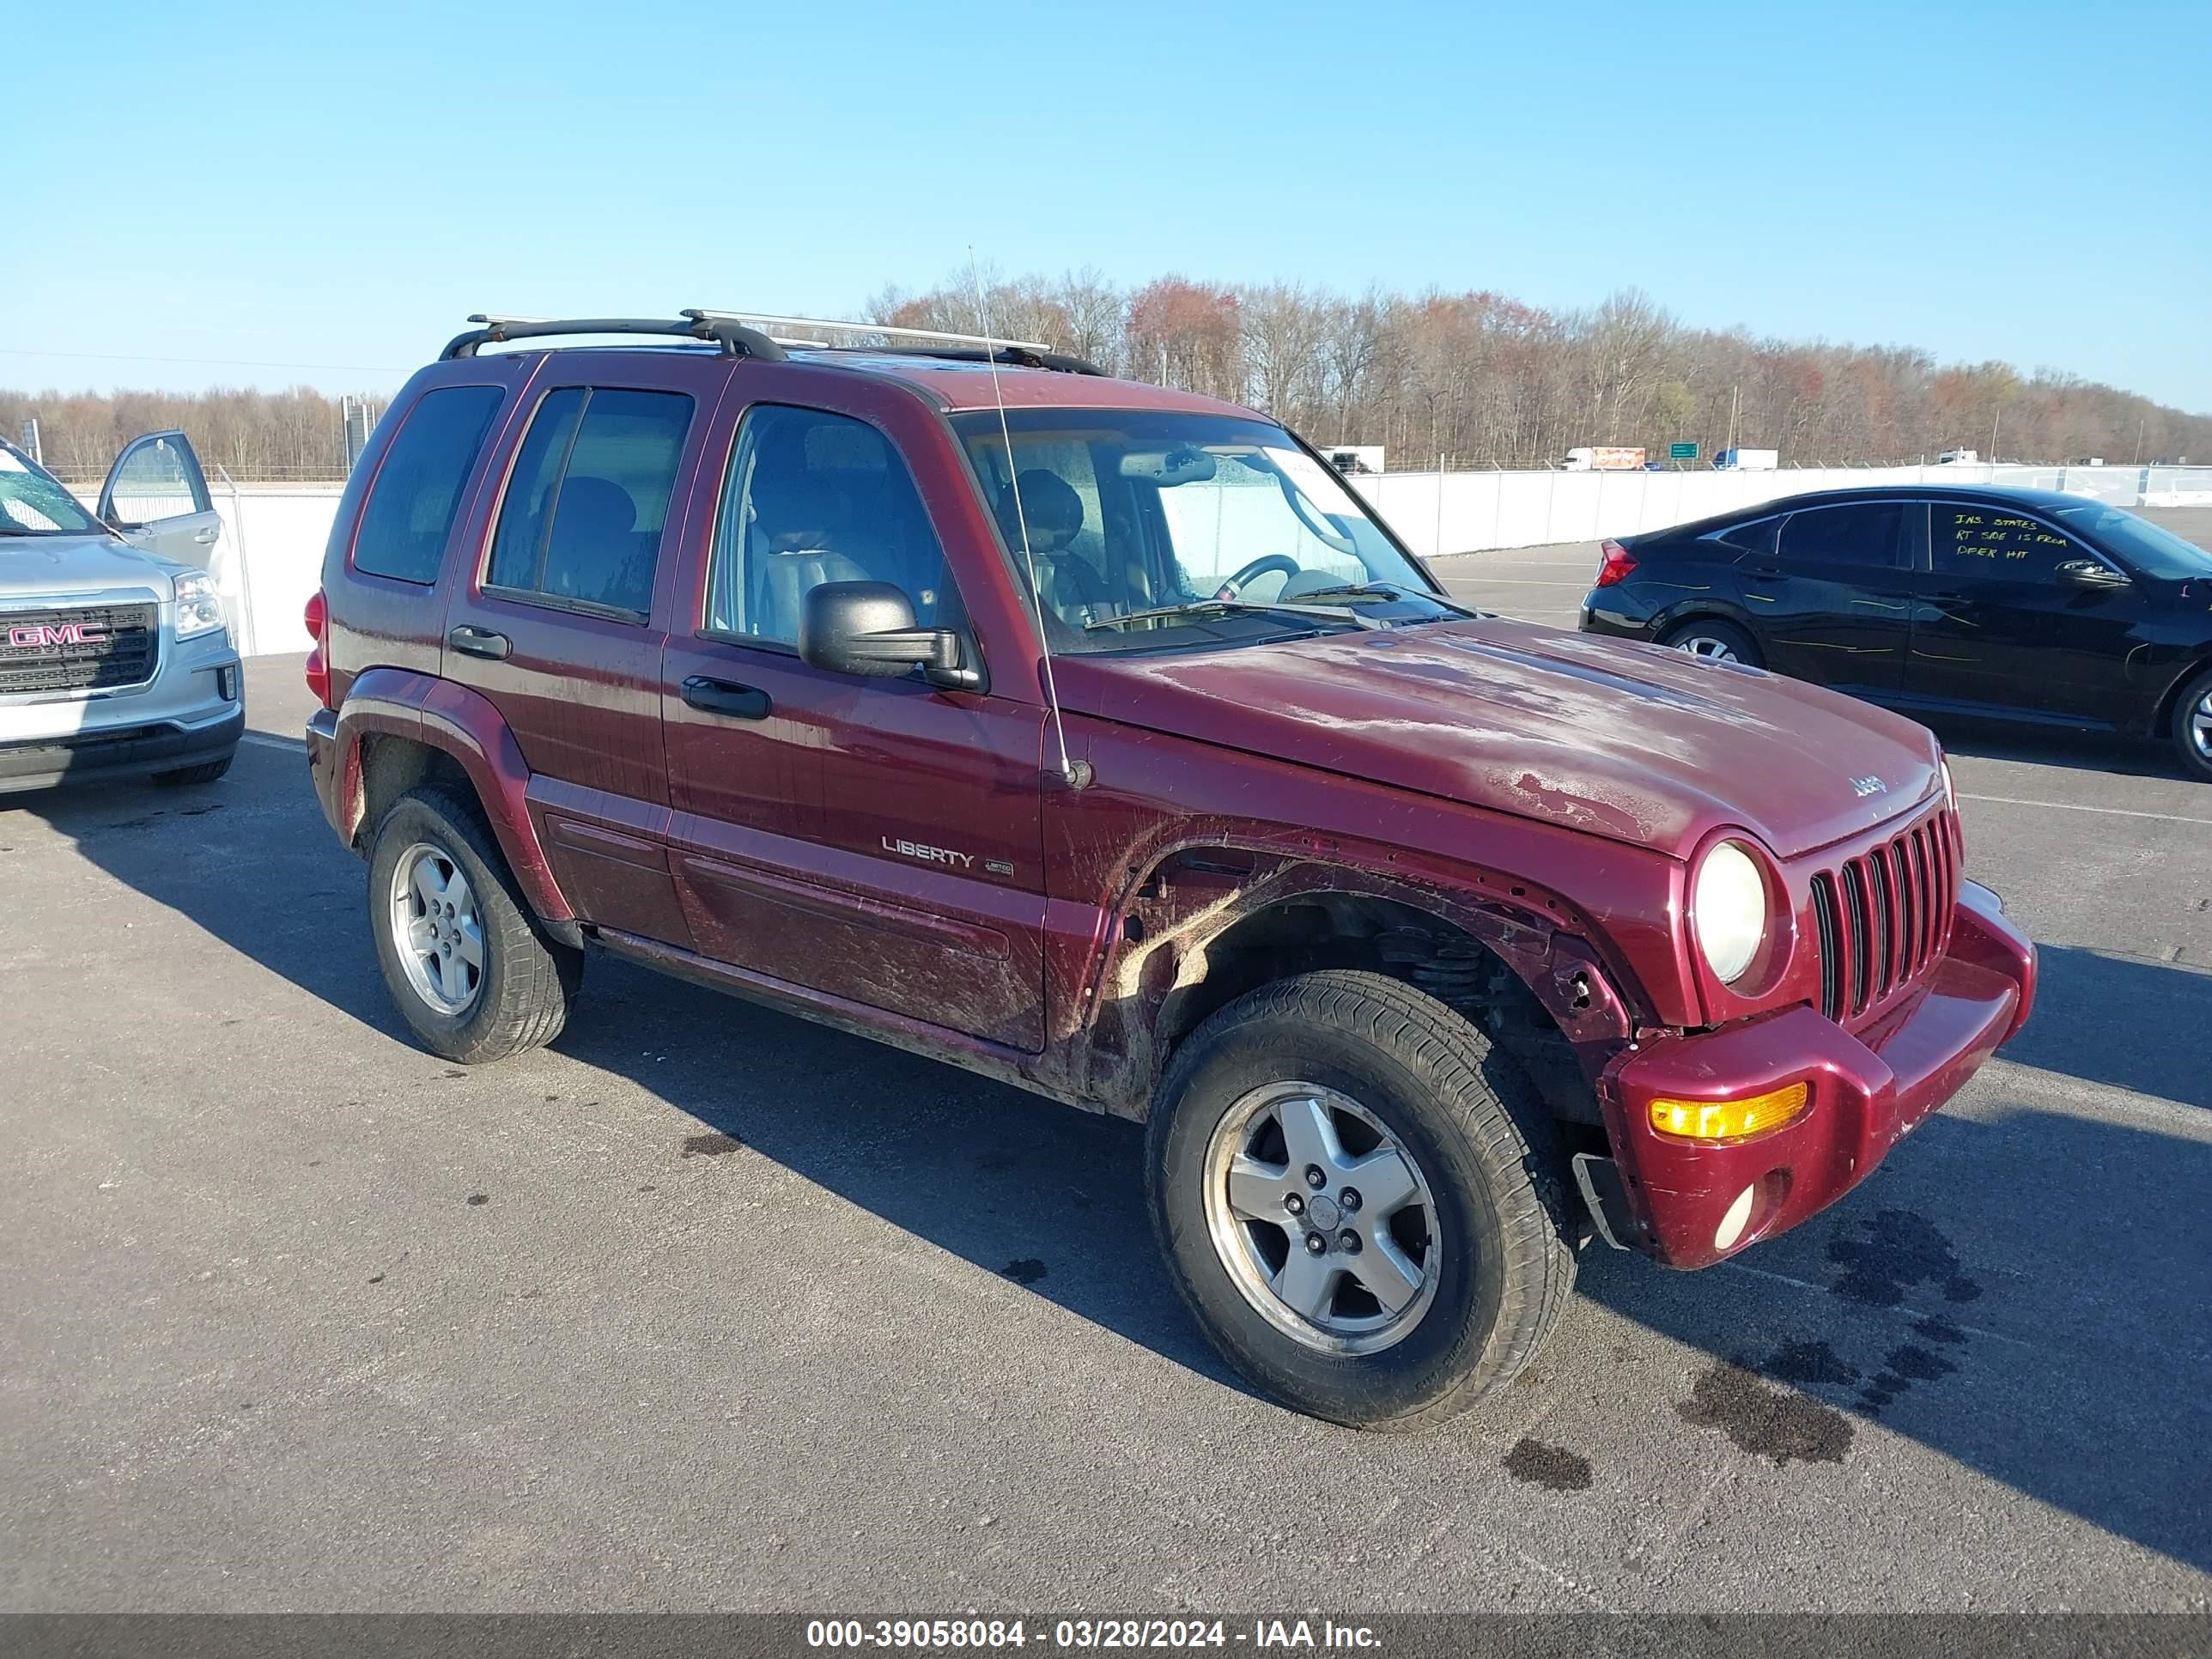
column 41, row 636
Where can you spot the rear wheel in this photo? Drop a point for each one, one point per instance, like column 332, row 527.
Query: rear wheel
column 462, row 956
column 1716, row 641
column 1361, row 1201
column 2192, row 727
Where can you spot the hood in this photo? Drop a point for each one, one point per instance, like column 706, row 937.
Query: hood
column 62, row 565
column 1652, row 747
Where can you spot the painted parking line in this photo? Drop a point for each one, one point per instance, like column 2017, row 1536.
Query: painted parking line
column 2074, row 806
column 289, row 745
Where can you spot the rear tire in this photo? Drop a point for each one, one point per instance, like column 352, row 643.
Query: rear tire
column 1715, row 641
column 464, row 959
column 1488, row 1230
column 2192, row 727
column 206, row 772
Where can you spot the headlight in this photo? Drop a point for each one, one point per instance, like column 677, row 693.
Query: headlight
column 1728, row 910
column 1950, row 789
column 199, row 609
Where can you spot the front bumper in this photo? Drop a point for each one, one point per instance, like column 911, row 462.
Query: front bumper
column 1869, row 1089
column 111, row 753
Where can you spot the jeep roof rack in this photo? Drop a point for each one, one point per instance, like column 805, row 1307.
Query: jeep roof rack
column 735, row 339
column 955, row 347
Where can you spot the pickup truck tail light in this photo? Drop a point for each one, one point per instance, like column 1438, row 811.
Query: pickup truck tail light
column 317, row 619
column 1619, row 561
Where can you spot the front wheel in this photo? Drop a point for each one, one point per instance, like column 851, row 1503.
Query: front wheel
column 2192, row 727
column 1715, row 641
column 1361, row 1200
column 472, row 975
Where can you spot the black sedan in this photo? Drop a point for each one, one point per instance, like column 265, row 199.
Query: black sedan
column 2023, row 604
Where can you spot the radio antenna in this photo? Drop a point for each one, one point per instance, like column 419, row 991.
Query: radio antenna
column 1073, row 776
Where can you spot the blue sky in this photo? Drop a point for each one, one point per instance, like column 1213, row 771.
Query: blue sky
column 321, row 194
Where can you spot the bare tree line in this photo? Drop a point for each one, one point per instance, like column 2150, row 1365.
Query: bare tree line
column 252, row 436
column 1490, row 382
column 1480, row 379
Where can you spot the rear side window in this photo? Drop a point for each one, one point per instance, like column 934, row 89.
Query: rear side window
column 418, row 488
column 1755, row 537
column 1862, row 534
column 582, row 520
column 1989, row 542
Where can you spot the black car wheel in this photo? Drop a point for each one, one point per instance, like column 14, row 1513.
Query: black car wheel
column 1715, row 641
column 2192, row 727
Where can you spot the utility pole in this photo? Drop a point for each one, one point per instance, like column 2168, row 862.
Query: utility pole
column 1994, row 419
column 2140, row 419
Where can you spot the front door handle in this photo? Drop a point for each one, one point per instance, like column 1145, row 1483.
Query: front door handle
column 479, row 642
column 206, row 535
column 745, row 702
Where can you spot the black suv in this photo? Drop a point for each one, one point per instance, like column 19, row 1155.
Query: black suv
column 2025, row 604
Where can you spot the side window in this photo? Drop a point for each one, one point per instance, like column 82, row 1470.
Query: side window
column 1753, row 540
column 585, row 509
column 418, row 488
column 1989, row 542
column 813, row 497
column 1862, row 534
column 159, row 478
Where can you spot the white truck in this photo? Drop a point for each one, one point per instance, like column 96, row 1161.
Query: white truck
column 1747, row 460
column 1603, row 458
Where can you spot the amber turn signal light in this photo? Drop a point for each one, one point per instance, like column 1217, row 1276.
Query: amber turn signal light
column 1729, row 1120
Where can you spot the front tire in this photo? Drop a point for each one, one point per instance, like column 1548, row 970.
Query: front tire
column 1434, row 1254
column 2192, row 727
column 463, row 958
column 205, row 772
column 1715, row 641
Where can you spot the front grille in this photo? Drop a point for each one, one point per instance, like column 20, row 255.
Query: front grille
column 1883, row 916
column 41, row 652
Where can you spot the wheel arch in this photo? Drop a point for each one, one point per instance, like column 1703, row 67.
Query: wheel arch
column 399, row 730
column 1517, row 969
column 2169, row 701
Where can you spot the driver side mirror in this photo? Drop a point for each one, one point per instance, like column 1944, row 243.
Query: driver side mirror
column 2092, row 574
column 868, row 629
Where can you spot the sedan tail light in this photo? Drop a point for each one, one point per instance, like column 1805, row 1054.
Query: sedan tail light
column 1619, row 561
column 317, row 619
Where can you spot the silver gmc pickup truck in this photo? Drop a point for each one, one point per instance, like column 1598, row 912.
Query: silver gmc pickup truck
column 114, row 658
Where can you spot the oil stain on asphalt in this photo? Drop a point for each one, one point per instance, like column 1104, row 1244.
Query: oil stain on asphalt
column 1777, row 1422
column 717, row 1145
column 1886, row 1256
column 1024, row 1270
column 1552, row 1468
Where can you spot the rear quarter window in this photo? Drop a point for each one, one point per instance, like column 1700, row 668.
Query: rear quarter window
column 418, row 488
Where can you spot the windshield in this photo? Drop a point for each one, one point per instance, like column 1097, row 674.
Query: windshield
column 2152, row 551
column 1159, row 531
column 34, row 503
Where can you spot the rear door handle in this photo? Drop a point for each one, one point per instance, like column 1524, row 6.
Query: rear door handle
column 1766, row 573
column 745, row 702
column 479, row 642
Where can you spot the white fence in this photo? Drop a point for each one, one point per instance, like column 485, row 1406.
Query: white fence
column 1474, row 512
column 270, row 556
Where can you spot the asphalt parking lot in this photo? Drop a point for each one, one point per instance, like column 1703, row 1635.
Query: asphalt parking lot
column 707, row 1307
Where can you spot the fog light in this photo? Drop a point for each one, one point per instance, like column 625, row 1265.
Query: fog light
column 1733, row 1224
column 225, row 683
column 1729, row 1120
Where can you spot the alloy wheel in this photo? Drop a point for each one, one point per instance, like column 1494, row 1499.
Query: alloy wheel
column 435, row 929
column 1322, row 1218
column 1706, row 645
column 2200, row 726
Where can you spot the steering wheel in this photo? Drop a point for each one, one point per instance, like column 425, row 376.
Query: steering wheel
column 1282, row 562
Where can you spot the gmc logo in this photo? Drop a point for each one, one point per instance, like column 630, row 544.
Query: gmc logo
column 43, row 635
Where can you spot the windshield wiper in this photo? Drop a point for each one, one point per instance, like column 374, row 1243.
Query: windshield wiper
column 1329, row 613
column 1393, row 590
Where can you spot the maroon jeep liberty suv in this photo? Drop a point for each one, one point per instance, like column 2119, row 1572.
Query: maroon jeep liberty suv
column 1098, row 739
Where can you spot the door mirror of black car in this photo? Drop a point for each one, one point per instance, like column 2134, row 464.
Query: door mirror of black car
column 869, row 628
column 2088, row 573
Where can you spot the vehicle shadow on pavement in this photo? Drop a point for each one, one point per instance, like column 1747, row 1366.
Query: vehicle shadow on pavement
column 2125, row 1021
column 2025, row 1297
column 2082, row 751
column 1046, row 1196
column 248, row 860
